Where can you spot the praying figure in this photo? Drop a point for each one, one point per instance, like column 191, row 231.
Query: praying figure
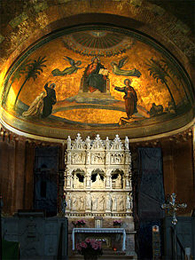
column 36, row 107
column 49, row 100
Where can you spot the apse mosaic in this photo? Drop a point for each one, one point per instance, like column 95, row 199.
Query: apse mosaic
column 95, row 77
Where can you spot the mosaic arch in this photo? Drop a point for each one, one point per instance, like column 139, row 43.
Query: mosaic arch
column 94, row 77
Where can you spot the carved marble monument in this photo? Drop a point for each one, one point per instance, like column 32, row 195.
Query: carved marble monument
column 98, row 177
column 98, row 182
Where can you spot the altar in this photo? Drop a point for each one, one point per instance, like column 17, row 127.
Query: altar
column 101, row 231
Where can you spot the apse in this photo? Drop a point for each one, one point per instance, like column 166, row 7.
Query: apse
column 54, row 86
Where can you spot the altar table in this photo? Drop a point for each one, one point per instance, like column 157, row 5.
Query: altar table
column 98, row 230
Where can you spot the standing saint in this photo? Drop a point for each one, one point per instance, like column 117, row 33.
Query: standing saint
column 108, row 201
column 94, row 203
column 121, row 203
column 68, row 201
column 81, row 204
column 88, row 201
column 101, row 203
column 130, row 98
column 114, row 203
column 74, row 203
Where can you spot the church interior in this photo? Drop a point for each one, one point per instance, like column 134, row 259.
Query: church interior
column 97, row 141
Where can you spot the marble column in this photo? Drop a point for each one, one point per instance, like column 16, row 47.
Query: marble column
column 127, row 182
column 68, row 180
column 88, row 179
column 108, row 181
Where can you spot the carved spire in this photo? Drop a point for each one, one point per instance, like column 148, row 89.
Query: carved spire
column 78, row 144
column 98, row 143
column 117, row 144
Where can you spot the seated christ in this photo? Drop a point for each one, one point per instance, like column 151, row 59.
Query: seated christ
column 93, row 79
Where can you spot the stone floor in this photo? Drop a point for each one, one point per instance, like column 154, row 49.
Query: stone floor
column 108, row 255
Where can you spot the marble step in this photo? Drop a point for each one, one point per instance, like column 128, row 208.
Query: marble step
column 108, row 257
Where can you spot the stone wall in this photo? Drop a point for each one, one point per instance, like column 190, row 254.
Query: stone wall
column 39, row 237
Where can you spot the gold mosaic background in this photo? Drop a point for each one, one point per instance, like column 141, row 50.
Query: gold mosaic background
column 146, row 87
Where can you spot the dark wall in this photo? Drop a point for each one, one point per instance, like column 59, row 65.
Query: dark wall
column 46, row 179
column 178, row 171
column 16, row 176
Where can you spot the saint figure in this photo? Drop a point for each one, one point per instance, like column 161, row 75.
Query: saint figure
column 130, row 98
column 36, row 107
column 49, row 100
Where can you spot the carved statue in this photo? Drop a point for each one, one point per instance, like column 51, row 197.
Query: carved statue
column 68, row 179
column 81, row 204
column 68, row 201
column 88, row 141
column 88, row 180
column 75, row 180
column 74, row 203
column 88, row 201
column 68, row 142
column 131, row 201
column 107, row 143
column 118, row 182
column 128, row 207
column 114, row 203
column 95, row 203
column 121, row 204
column 108, row 179
column 99, row 183
column 101, row 203
column 108, row 202
column 98, row 179
column 77, row 183
column 126, row 143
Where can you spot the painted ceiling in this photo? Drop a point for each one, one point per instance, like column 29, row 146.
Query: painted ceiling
column 159, row 92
